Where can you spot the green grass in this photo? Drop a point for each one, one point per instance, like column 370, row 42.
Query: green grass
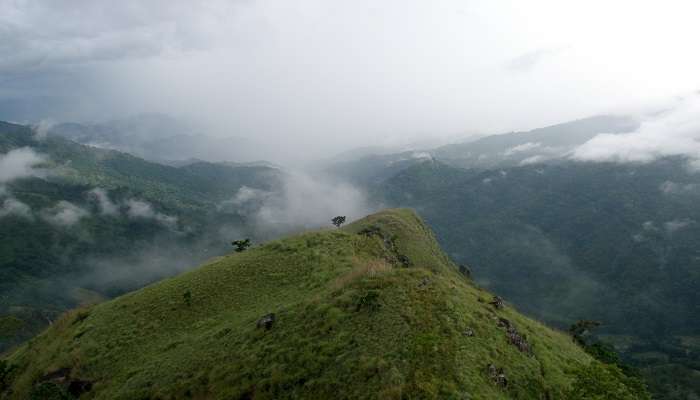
column 351, row 322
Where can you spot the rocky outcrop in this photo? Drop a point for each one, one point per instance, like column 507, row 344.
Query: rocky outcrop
column 514, row 337
column 497, row 302
column 394, row 256
column 266, row 321
column 497, row 375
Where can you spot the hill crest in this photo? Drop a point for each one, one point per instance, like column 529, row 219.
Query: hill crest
column 372, row 310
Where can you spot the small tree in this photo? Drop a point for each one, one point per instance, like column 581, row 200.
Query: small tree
column 241, row 245
column 339, row 220
column 582, row 329
column 5, row 371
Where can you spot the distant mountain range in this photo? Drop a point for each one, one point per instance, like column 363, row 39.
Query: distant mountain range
column 544, row 145
column 160, row 138
column 565, row 240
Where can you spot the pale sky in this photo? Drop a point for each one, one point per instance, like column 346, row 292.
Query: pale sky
column 322, row 76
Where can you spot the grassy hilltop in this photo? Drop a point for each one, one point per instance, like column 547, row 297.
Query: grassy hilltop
column 372, row 310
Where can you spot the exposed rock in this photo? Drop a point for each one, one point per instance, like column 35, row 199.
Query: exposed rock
column 394, row 256
column 504, row 323
column 403, row 259
column 519, row 341
column 497, row 375
column 424, row 282
column 497, row 302
column 57, row 376
column 514, row 337
column 464, row 270
column 266, row 321
column 60, row 380
column 469, row 332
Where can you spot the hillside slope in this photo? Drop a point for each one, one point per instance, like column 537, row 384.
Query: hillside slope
column 617, row 243
column 373, row 310
column 89, row 223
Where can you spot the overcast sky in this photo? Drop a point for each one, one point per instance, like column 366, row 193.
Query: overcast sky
column 325, row 75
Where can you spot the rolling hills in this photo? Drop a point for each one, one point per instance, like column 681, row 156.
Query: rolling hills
column 80, row 223
column 372, row 310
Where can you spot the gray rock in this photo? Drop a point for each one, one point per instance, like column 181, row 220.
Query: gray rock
column 497, row 376
column 266, row 321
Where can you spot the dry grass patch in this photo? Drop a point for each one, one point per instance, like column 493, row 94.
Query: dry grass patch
column 369, row 268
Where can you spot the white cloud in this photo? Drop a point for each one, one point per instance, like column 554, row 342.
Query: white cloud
column 41, row 129
column 244, row 66
column 15, row 207
column 246, row 194
column 649, row 226
column 20, row 163
column 421, row 155
column 304, row 202
column 139, row 209
column 521, row 148
column 638, row 237
column 64, row 214
column 677, row 224
column 670, row 187
column 107, row 207
column 532, row 160
column 672, row 133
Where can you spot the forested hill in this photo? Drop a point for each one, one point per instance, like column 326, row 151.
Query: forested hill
column 616, row 243
column 79, row 223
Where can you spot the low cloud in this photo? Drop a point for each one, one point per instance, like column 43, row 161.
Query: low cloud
column 105, row 205
column 674, row 188
column 14, row 207
column 532, row 160
column 312, row 202
column 139, row 209
column 677, row 224
column 20, row 163
column 246, row 194
column 521, row 148
column 41, row 130
column 303, row 202
column 649, row 226
column 672, row 133
column 64, row 214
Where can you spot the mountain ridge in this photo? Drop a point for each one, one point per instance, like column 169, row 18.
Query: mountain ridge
column 372, row 310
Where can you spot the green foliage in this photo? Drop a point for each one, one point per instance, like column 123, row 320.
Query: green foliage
column 187, row 297
column 571, row 241
column 598, row 381
column 49, row 391
column 241, row 245
column 368, row 301
column 338, row 221
column 582, row 329
column 604, row 353
column 10, row 326
column 46, row 269
column 143, row 345
column 5, row 370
